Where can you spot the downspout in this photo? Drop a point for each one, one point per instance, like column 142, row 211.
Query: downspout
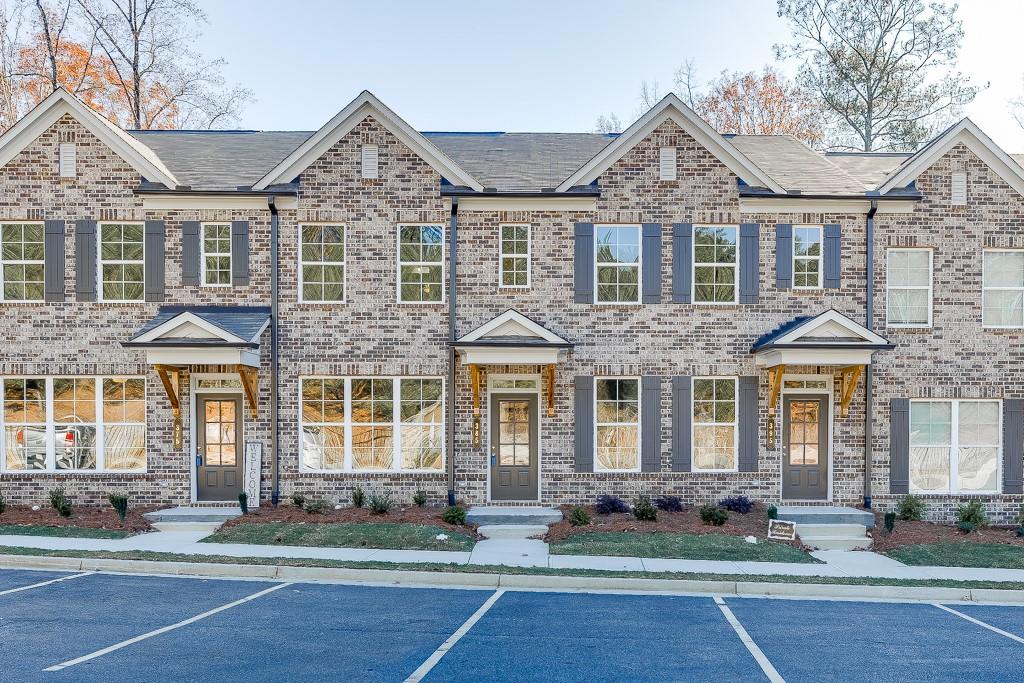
column 450, row 398
column 275, row 486
column 869, row 305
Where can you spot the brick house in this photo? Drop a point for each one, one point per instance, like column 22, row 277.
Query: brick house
column 507, row 317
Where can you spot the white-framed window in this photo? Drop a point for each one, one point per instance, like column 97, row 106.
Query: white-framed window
column 216, row 261
column 715, row 264
column 617, row 424
column 22, row 261
column 122, row 261
column 714, row 424
column 1002, row 288
column 372, row 424
column 807, row 250
column 908, row 283
column 617, row 263
column 955, row 446
column 420, row 263
column 514, row 255
column 73, row 424
column 322, row 263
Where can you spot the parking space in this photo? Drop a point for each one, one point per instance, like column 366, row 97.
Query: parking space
column 11, row 579
column 1009, row 619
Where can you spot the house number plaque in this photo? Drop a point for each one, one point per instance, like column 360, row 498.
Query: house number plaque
column 770, row 434
column 476, row 432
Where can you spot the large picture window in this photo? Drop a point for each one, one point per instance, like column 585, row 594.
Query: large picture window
column 617, row 254
column 122, row 262
column 714, row 424
column 322, row 266
column 909, row 287
column 21, row 261
column 618, row 424
column 955, row 446
column 420, row 263
column 1003, row 288
column 715, row 259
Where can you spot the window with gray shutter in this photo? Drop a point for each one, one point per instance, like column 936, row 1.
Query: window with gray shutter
column 584, row 417
column 749, row 419
column 650, row 424
column 191, row 252
column 750, row 263
column 682, row 262
column 53, row 264
column 833, row 257
column 1013, row 445
column 584, row 263
column 651, row 263
column 239, row 253
column 899, row 445
column 784, row 256
column 85, row 260
column 682, row 419
column 154, row 253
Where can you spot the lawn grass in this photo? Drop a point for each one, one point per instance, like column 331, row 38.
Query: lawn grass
column 677, row 546
column 60, row 531
column 385, row 535
column 951, row 554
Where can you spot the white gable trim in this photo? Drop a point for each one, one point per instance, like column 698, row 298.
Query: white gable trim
column 60, row 103
column 366, row 104
column 968, row 133
column 166, row 329
column 672, row 108
column 831, row 321
column 513, row 318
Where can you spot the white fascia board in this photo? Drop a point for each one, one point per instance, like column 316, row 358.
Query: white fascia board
column 834, row 357
column 366, row 104
column 830, row 316
column 202, row 356
column 512, row 315
column 671, row 107
column 783, row 205
column 187, row 317
column 486, row 203
column 171, row 202
column 498, row 355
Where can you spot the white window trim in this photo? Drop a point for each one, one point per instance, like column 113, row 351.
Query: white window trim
column 399, row 264
column 820, row 258
column 396, row 425
column 203, row 254
column 51, row 437
column 735, row 266
column 4, row 262
column 343, row 263
column 100, row 261
column 502, row 255
column 889, row 288
column 996, row 289
column 639, row 264
column 954, row 438
column 639, row 424
column 735, row 423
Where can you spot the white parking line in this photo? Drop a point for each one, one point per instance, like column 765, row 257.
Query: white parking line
column 745, row 638
column 165, row 629
column 981, row 623
column 45, row 583
column 440, row 652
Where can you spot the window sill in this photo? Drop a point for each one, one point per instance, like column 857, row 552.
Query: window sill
column 64, row 473
column 360, row 473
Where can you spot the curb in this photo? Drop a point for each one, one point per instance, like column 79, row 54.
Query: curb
column 513, row 581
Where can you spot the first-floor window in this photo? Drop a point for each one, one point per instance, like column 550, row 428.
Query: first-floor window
column 74, row 424
column 714, row 423
column 618, row 424
column 955, row 446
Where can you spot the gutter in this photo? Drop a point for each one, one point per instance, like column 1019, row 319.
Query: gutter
column 453, row 256
column 275, row 484
column 858, row 197
column 461, row 192
column 176, row 192
column 869, row 307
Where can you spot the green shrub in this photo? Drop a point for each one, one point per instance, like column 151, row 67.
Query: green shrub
column 358, row 497
column 713, row 515
column 579, row 517
column 316, row 507
column 379, row 505
column 60, row 501
column 298, row 500
column 3, row 504
column 243, row 502
column 890, row 521
column 911, row 508
column 1019, row 520
column 119, row 501
column 966, row 527
column 773, row 512
column 972, row 513
column 644, row 510
column 420, row 498
column 454, row 514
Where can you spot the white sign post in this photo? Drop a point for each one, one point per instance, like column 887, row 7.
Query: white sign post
column 253, row 465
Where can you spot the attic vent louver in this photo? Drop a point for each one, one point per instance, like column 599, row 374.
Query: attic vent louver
column 667, row 164
column 369, row 161
column 958, row 189
column 68, row 161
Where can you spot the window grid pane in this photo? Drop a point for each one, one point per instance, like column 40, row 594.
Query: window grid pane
column 714, row 423
column 420, row 263
column 514, row 256
column 122, row 265
column 955, row 446
column 322, row 262
column 617, row 261
column 323, row 424
column 908, row 285
column 807, row 255
column 217, row 253
column 21, row 261
column 618, row 424
column 1003, row 289
column 715, row 258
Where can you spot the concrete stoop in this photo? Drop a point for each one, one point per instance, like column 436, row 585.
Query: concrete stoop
column 512, row 530
column 193, row 515
column 827, row 527
column 490, row 515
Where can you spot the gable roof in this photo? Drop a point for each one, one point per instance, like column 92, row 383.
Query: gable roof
column 366, row 104
column 512, row 328
column 203, row 325
column 830, row 329
column 61, row 103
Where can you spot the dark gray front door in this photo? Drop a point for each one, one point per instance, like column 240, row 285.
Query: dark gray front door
column 513, row 447
column 219, row 446
column 805, row 447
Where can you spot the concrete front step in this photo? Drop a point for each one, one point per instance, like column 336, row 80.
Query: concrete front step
column 831, row 530
column 185, row 515
column 191, row 527
column 489, row 515
column 512, row 530
column 826, row 514
column 836, row 542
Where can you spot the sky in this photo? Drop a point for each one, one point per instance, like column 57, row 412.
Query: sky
column 531, row 65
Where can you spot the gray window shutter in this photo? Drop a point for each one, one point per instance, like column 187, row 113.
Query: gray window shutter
column 652, row 263
column 584, row 411
column 682, row 262
column 899, row 445
column 784, row 256
column 749, row 418
column 682, row 418
column 832, row 257
column 53, row 264
column 650, row 424
column 584, row 242
column 191, row 252
column 1013, row 445
column 750, row 263
column 239, row 253
column 85, row 260
column 154, row 273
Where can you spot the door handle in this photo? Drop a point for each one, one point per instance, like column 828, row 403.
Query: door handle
column 494, row 460
column 199, row 461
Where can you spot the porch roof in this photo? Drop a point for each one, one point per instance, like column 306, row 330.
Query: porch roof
column 829, row 338
column 511, row 339
column 203, row 335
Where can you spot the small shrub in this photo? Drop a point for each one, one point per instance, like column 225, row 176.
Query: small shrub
column 890, row 521
column 579, row 517
column 298, row 500
column 669, row 503
column 966, row 527
column 972, row 513
column 644, row 510
column 1020, row 532
column 773, row 512
column 420, row 498
column 911, row 508
column 713, row 515
column 243, row 502
column 119, row 501
column 60, row 501
column 316, row 507
column 606, row 505
column 1019, row 520
column 740, row 504
column 358, row 497
column 454, row 514
column 380, row 505
column 3, row 504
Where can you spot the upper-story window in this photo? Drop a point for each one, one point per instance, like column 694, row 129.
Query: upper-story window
column 1002, row 298
column 322, row 267
column 122, row 262
column 714, row 424
column 807, row 256
column 216, row 254
column 420, row 263
column 715, row 262
column 21, row 258
column 617, row 424
column 514, row 258
column 617, row 263
column 909, row 287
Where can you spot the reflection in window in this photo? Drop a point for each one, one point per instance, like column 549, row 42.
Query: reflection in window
column 714, row 423
column 807, row 256
column 955, row 446
column 323, row 424
column 420, row 263
column 515, row 256
column 514, row 433
column 74, row 415
column 618, row 263
column 21, row 261
column 216, row 253
column 715, row 256
column 124, row 418
column 322, row 270
column 1003, row 289
column 25, row 423
column 422, row 424
column 121, row 261
column 372, row 423
column 618, row 424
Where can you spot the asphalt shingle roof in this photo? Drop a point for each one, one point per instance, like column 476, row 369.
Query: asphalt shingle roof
column 796, row 166
column 245, row 322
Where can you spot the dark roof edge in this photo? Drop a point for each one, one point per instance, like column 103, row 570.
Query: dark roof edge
column 181, row 191
column 542, row 194
column 514, row 344
column 165, row 343
column 914, row 196
column 824, row 345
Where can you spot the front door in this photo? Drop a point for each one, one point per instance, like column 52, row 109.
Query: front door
column 219, row 447
column 513, row 447
column 805, row 447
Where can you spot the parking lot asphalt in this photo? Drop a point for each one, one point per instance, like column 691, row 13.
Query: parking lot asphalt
column 102, row 627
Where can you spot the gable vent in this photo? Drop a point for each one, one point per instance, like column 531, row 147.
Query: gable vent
column 68, row 161
column 958, row 190
column 369, row 161
column 667, row 164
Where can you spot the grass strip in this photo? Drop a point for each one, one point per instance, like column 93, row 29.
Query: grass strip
column 386, row 535
column 951, row 554
column 678, row 546
column 60, row 531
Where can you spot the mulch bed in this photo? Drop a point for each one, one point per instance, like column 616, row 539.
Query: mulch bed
column 919, row 533
column 427, row 516
column 89, row 517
